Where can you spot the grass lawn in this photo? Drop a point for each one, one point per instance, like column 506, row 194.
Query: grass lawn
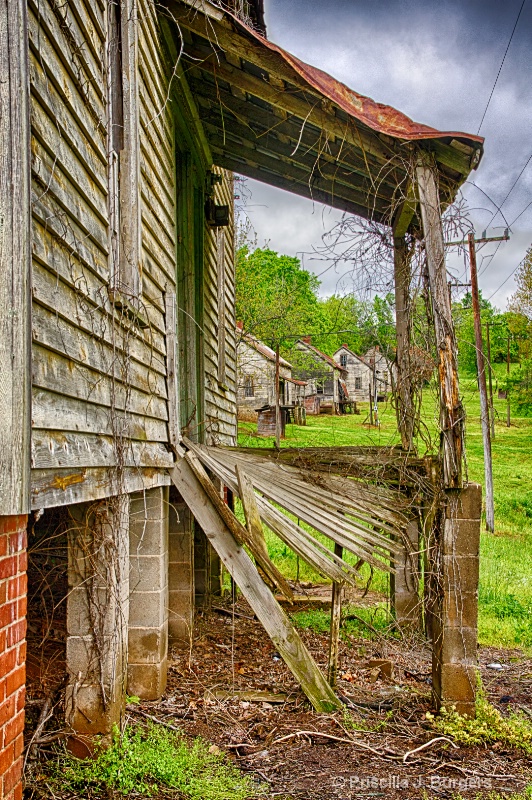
column 505, row 592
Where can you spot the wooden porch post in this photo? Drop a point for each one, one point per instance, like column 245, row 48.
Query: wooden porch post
column 451, row 409
column 404, row 397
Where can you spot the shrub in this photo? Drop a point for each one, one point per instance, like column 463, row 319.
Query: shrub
column 487, row 727
column 144, row 761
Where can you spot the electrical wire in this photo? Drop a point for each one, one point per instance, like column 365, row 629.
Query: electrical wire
column 506, row 279
column 500, row 68
column 514, row 184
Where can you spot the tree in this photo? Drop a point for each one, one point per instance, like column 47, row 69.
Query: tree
column 276, row 300
column 521, row 300
column 520, row 324
column 465, row 332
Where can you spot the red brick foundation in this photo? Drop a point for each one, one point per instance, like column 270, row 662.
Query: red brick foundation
column 13, row 560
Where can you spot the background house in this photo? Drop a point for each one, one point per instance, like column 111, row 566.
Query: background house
column 256, row 378
column 360, row 375
column 326, row 387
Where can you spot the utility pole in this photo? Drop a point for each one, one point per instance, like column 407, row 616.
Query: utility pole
column 277, row 401
column 490, row 383
column 481, row 365
column 508, row 382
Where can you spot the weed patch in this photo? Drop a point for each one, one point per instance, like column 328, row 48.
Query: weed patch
column 146, row 761
column 487, row 727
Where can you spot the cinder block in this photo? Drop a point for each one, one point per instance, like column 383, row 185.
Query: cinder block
column 460, row 573
column 180, row 576
column 458, row 684
column 180, row 547
column 179, row 516
column 147, row 681
column 459, row 646
column 180, row 617
column 84, row 708
column 461, row 537
column 147, row 645
column 148, row 609
column 464, row 503
column 148, row 573
column 148, row 531
column 80, row 613
column 460, row 609
column 407, row 610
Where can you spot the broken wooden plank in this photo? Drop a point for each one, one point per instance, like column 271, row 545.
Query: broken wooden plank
column 240, row 533
column 336, row 618
column 276, row 623
column 249, row 504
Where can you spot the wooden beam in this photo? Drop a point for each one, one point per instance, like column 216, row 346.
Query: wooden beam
column 452, row 415
column 219, row 35
column 240, row 534
column 274, row 620
column 300, row 185
column 404, row 393
column 221, row 107
column 15, row 260
column 229, row 135
column 405, row 212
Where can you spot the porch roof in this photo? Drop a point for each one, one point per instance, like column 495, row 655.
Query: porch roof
column 270, row 116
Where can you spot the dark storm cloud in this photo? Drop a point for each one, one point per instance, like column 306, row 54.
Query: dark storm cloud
column 436, row 62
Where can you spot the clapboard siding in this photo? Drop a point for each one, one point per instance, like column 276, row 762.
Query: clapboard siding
column 99, row 370
column 99, row 377
column 157, row 156
column 220, row 396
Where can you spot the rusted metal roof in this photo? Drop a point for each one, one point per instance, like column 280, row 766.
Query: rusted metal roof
column 382, row 118
column 268, row 115
column 264, row 350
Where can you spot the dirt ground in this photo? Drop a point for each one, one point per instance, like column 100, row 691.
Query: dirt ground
column 294, row 753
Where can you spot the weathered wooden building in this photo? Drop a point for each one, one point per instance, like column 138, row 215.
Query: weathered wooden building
column 364, row 379
column 118, row 123
column 326, row 386
column 256, row 378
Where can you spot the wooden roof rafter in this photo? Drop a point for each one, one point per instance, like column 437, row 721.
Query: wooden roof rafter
column 271, row 117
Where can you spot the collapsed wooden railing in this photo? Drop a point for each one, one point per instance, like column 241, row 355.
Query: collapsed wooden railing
column 368, row 521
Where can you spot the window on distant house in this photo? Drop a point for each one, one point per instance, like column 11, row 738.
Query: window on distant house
column 385, row 377
column 343, row 360
column 358, row 382
column 249, row 389
column 319, row 387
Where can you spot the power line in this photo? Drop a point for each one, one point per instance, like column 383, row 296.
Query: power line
column 522, row 212
column 500, row 68
column 506, row 279
column 514, row 184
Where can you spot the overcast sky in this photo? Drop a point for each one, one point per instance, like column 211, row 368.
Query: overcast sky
column 436, row 61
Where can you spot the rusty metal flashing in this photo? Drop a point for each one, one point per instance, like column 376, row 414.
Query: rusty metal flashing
column 378, row 117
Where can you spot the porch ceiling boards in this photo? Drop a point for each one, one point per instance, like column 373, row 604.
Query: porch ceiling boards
column 269, row 116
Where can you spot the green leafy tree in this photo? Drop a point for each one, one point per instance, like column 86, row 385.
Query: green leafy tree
column 276, row 300
column 465, row 332
column 520, row 325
